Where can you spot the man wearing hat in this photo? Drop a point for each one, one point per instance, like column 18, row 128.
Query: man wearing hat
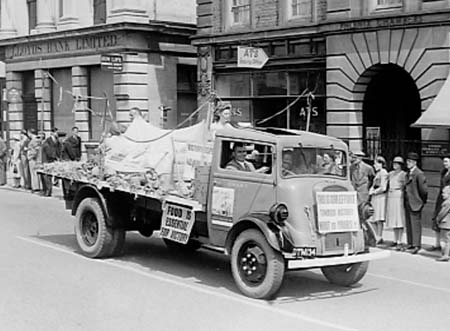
column 361, row 175
column 416, row 193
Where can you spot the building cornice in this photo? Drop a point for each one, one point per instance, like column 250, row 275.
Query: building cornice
column 161, row 27
column 332, row 27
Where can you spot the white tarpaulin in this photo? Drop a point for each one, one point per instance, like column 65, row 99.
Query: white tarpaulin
column 438, row 113
column 144, row 146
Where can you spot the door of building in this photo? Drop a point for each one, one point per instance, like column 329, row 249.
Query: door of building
column 30, row 120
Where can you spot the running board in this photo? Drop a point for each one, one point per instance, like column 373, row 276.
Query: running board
column 213, row 248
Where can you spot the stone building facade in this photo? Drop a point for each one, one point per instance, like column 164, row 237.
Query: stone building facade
column 68, row 63
column 374, row 66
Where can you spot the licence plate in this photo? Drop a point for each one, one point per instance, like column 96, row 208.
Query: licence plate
column 304, row 252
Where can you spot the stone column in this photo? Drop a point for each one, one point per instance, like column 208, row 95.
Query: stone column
column 80, row 84
column 15, row 109
column 42, row 94
column 6, row 29
column 70, row 19
column 45, row 16
column 128, row 11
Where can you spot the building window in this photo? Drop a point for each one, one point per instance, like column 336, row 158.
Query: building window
column 388, row 4
column 300, row 9
column 99, row 11
column 32, row 14
column 238, row 12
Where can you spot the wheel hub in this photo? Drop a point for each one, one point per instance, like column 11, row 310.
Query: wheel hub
column 89, row 228
column 252, row 264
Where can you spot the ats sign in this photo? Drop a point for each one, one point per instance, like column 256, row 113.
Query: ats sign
column 251, row 57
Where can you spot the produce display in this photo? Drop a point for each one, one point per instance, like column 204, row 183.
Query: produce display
column 144, row 160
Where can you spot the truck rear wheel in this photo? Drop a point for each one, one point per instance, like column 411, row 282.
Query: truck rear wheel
column 257, row 268
column 346, row 274
column 94, row 237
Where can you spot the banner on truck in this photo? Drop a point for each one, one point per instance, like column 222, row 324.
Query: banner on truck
column 177, row 222
column 337, row 211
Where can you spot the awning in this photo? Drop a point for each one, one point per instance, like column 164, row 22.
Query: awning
column 438, row 113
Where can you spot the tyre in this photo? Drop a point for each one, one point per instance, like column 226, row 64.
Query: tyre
column 94, row 237
column 190, row 247
column 257, row 269
column 346, row 274
column 146, row 232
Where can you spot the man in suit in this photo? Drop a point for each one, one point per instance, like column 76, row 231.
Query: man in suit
column 361, row 176
column 238, row 162
column 416, row 193
column 51, row 152
column 72, row 146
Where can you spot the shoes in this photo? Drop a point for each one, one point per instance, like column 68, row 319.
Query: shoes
column 433, row 248
column 380, row 241
column 394, row 244
column 443, row 259
column 415, row 250
column 400, row 248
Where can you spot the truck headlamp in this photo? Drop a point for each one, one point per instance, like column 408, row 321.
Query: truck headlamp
column 279, row 213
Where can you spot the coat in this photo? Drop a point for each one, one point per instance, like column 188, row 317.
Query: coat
column 416, row 190
column 235, row 165
column 72, row 148
column 51, row 150
column 361, row 175
column 443, row 216
column 445, row 181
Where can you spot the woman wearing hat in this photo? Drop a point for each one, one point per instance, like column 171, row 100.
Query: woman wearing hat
column 222, row 119
column 378, row 196
column 395, row 210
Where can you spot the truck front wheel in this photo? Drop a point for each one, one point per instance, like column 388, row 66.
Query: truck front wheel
column 257, row 268
column 94, row 237
column 346, row 274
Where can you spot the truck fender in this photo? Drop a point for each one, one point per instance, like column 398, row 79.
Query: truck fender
column 90, row 191
column 260, row 222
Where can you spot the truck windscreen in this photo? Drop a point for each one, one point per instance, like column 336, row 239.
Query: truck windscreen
column 309, row 160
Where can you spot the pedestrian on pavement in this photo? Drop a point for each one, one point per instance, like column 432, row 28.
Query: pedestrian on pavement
column 24, row 165
column 15, row 161
column 71, row 150
column 443, row 221
column 34, row 148
column 377, row 193
column 444, row 181
column 416, row 193
column 51, row 152
column 395, row 209
column 361, row 175
column 3, row 161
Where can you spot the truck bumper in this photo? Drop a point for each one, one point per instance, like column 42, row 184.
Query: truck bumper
column 318, row 262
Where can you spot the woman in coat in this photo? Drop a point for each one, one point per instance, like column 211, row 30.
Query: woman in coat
column 377, row 194
column 395, row 210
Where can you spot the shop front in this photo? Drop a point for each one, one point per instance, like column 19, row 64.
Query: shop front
column 287, row 91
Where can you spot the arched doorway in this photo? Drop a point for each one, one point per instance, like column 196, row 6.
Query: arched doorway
column 391, row 104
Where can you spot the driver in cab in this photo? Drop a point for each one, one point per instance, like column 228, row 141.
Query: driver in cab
column 239, row 163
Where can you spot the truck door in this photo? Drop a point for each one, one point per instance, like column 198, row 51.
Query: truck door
column 243, row 181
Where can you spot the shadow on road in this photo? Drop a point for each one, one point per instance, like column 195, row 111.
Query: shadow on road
column 211, row 269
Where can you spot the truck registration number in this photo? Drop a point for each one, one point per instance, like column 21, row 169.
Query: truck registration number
column 300, row 252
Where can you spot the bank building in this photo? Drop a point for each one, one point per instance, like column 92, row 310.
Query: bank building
column 377, row 70
column 68, row 62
